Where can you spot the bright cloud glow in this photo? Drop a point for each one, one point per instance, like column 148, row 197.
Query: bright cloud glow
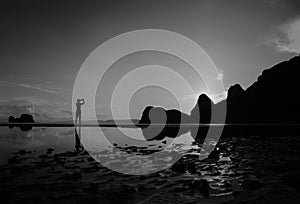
column 220, row 75
column 216, row 98
column 287, row 39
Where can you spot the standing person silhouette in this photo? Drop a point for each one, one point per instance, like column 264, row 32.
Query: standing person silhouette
column 78, row 144
column 79, row 103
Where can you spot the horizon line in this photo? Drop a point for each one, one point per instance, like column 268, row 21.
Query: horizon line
column 137, row 125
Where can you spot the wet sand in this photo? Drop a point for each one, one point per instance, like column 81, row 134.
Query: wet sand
column 242, row 170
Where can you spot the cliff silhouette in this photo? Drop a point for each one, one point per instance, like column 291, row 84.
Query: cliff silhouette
column 271, row 105
column 273, row 98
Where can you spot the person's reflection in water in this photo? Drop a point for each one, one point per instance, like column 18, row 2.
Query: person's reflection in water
column 78, row 145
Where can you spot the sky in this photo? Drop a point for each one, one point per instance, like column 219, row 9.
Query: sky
column 44, row 43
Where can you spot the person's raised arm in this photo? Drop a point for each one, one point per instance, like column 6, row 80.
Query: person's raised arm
column 82, row 101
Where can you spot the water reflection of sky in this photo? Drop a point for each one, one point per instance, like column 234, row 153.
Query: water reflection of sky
column 38, row 139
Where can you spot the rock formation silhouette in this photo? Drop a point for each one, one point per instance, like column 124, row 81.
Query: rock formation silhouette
column 24, row 118
column 271, row 105
column 153, row 120
column 201, row 114
column 271, row 99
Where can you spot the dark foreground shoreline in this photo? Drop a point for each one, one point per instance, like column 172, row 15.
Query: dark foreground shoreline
column 254, row 169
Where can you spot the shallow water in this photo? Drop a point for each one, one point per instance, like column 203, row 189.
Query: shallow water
column 38, row 140
column 247, row 169
column 63, row 139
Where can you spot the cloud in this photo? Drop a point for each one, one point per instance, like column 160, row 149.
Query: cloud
column 192, row 97
column 35, row 87
column 38, row 88
column 24, row 100
column 287, row 38
column 216, row 98
column 42, row 110
column 67, row 112
column 15, row 110
column 25, row 78
column 220, row 75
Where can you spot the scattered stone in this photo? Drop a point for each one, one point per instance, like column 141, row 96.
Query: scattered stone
column 49, row 150
column 22, row 152
column 202, row 186
column 224, row 159
column 44, row 156
column 191, row 168
column 90, row 159
column 215, row 155
column 178, row 167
